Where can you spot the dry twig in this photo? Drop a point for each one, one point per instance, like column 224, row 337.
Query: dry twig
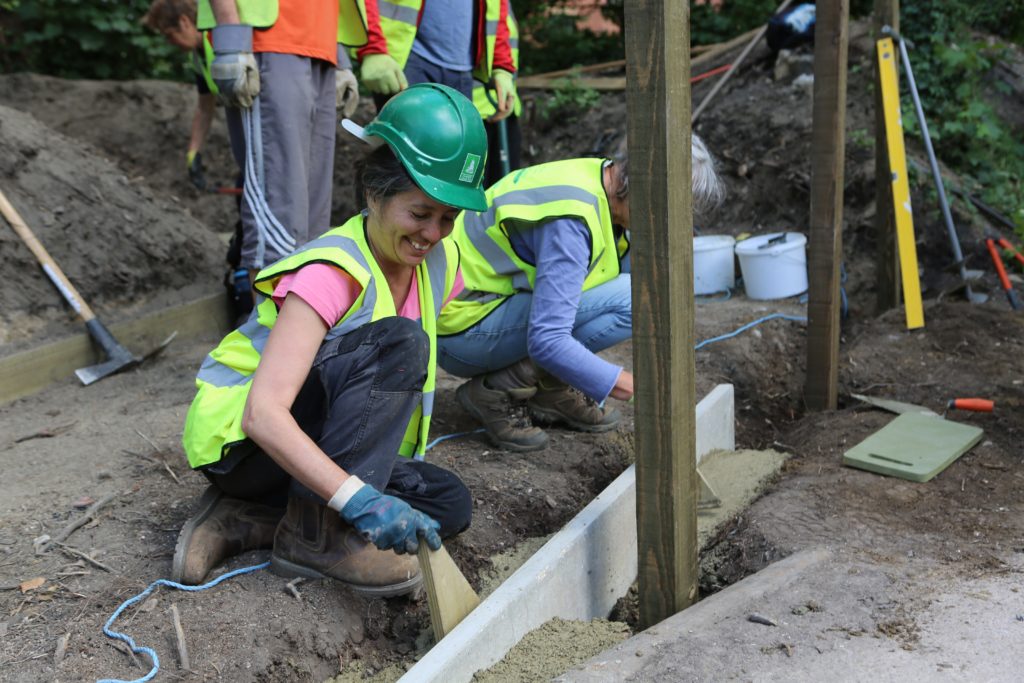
column 62, row 648
column 180, row 634
column 71, row 527
column 78, row 553
column 291, row 586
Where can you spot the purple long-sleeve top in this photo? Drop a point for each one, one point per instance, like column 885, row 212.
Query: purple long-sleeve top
column 560, row 250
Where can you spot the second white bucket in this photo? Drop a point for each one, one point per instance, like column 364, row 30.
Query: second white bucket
column 774, row 266
column 713, row 264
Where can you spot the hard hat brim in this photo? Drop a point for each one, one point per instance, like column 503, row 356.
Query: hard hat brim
column 459, row 196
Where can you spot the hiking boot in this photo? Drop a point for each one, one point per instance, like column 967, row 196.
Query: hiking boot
column 222, row 527
column 556, row 401
column 502, row 414
column 313, row 541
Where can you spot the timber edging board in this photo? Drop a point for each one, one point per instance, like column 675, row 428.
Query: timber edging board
column 29, row 371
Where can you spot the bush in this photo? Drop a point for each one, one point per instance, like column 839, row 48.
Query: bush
column 84, row 39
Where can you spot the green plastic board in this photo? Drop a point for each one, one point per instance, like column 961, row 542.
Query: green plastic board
column 913, row 446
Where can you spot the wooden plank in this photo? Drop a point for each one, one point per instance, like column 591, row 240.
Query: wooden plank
column 900, row 183
column 592, row 82
column 658, row 106
column 828, row 140
column 887, row 269
column 449, row 594
column 27, row 372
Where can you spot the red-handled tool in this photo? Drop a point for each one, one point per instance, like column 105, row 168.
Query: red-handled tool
column 977, row 405
column 997, row 260
column 1010, row 248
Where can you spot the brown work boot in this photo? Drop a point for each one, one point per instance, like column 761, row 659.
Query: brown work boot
column 221, row 528
column 496, row 400
column 315, row 542
column 556, row 401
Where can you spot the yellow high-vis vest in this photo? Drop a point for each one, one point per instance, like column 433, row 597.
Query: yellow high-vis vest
column 214, row 421
column 399, row 22
column 263, row 13
column 524, row 200
column 480, row 100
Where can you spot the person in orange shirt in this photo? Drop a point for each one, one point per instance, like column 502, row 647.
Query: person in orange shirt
column 281, row 62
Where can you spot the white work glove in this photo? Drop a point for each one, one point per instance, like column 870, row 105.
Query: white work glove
column 346, row 92
column 234, row 68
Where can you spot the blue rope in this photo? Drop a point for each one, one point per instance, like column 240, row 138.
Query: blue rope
column 149, row 652
column 451, row 436
column 773, row 316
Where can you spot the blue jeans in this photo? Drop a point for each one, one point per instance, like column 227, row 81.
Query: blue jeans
column 604, row 318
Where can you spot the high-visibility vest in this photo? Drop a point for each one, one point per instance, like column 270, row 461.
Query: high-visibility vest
column 214, row 421
column 263, row 13
column 399, row 20
column 524, row 200
column 480, row 100
column 201, row 64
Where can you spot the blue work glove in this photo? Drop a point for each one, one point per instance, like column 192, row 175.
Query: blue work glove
column 388, row 522
column 234, row 69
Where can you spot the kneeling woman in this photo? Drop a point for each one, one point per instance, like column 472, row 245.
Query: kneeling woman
column 316, row 402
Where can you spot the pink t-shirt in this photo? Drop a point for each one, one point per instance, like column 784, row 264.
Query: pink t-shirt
column 330, row 291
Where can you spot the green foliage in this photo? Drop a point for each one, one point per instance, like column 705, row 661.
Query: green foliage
column 84, row 39
column 569, row 99
column 952, row 67
column 552, row 41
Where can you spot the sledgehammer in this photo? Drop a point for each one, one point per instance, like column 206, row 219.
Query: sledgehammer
column 118, row 357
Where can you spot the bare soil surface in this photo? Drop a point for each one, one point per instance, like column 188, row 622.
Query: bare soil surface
column 96, row 168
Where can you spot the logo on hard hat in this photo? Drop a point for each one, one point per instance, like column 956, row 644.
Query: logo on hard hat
column 469, row 168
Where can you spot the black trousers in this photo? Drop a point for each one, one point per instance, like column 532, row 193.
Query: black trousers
column 356, row 403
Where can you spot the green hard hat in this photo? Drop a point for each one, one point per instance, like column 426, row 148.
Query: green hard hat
column 439, row 137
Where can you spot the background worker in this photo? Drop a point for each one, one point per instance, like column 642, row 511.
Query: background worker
column 489, row 112
column 314, row 401
column 284, row 65
column 176, row 21
column 545, row 291
column 438, row 41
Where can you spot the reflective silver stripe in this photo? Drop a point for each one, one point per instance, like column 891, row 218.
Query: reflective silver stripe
column 476, row 225
column 513, row 43
column 597, row 260
column 478, row 297
column 492, row 28
column 428, row 403
column 437, row 269
column 357, row 319
column 390, row 10
column 220, row 375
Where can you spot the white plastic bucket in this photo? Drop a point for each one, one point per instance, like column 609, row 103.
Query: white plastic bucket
column 713, row 264
column 773, row 267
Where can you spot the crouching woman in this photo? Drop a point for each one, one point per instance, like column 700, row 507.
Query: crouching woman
column 312, row 408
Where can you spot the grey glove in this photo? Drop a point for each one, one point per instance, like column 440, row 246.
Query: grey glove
column 234, row 68
column 346, row 92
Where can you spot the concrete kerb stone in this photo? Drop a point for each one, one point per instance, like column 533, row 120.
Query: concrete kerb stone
column 578, row 574
column 624, row 661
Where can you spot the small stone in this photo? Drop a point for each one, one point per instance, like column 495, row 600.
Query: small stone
column 551, row 502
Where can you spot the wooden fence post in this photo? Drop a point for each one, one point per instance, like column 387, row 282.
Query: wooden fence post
column 887, row 268
column 658, row 105
column 828, row 140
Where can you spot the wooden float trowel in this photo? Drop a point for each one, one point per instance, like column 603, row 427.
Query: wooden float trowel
column 449, row 594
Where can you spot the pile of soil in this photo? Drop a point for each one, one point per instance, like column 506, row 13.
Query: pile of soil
column 108, row 156
column 117, row 241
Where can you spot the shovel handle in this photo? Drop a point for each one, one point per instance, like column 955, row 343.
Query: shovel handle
column 50, row 266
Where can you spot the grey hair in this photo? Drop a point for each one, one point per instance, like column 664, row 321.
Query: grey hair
column 708, row 190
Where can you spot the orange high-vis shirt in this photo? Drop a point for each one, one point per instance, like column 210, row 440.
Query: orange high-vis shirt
column 308, row 28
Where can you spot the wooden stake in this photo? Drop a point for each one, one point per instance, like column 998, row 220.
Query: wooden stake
column 887, row 269
column 661, row 220
column 449, row 594
column 828, row 153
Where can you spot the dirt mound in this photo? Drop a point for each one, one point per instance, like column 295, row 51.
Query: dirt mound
column 116, row 241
